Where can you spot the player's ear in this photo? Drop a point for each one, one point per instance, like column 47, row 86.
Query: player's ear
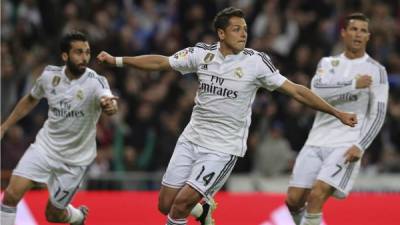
column 64, row 56
column 221, row 34
column 342, row 32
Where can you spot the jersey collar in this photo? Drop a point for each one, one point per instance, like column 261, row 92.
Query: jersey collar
column 220, row 58
column 357, row 60
column 67, row 80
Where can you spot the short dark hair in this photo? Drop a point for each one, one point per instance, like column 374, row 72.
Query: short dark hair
column 355, row 16
column 221, row 20
column 66, row 40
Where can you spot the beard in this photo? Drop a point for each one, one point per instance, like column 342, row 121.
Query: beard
column 75, row 69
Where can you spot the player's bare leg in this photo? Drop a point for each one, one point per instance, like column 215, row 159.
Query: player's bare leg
column 183, row 204
column 165, row 199
column 16, row 189
column 296, row 201
column 320, row 192
column 202, row 212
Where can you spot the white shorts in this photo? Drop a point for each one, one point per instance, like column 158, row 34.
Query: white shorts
column 203, row 169
column 62, row 180
column 325, row 164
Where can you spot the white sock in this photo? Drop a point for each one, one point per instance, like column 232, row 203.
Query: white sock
column 74, row 214
column 311, row 219
column 171, row 221
column 7, row 216
column 197, row 210
column 297, row 216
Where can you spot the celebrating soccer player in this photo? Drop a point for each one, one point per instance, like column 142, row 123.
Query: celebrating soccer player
column 207, row 150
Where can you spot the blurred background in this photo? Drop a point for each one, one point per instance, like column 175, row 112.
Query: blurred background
column 134, row 146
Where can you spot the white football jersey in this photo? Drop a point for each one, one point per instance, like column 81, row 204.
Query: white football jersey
column 335, row 81
column 69, row 133
column 227, row 86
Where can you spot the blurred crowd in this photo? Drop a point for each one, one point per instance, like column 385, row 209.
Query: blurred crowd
column 156, row 106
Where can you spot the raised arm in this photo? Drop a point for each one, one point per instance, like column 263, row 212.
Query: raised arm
column 307, row 97
column 23, row 107
column 144, row 62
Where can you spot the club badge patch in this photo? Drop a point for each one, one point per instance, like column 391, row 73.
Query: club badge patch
column 335, row 62
column 238, row 72
column 79, row 95
column 209, row 57
column 56, row 81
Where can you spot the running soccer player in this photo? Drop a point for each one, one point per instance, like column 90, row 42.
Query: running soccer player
column 65, row 146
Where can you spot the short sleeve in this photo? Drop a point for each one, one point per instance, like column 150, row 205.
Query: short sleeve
column 37, row 90
column 103, row 88
column 267, row 75
column 185, row 61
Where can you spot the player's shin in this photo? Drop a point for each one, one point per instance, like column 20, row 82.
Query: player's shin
column 7, row 216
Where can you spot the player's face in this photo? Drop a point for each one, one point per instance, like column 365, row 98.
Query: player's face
column 356, row 36
column 234, row 36
column 78, row 57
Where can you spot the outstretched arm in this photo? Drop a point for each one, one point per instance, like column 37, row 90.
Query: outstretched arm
column 144, row 62
column 307, row 97
column 24, row 106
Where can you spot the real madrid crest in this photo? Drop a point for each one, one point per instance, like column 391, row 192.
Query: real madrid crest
column 335, row 62
column 208, row 58
column 55, row 81
column 238, row 72
column 79, row 95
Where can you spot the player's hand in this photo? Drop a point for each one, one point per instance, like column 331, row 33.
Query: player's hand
column 106, row 58
column 349, row 119
column 109, row 104
column 353, row 154
column 363, row 81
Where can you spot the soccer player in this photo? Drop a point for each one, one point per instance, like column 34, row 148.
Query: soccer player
column 65, row 146
column 330, row 159
column 229, row 76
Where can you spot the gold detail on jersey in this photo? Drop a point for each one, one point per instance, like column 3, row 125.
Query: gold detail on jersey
column 56, row 81
column 79, row 95
column 238, row 72
column 182, row 54
column 320, row 71
column 209, row 57
column 335, row 62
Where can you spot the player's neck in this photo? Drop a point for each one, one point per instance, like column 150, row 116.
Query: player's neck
column 225, row 50
column 354, row 54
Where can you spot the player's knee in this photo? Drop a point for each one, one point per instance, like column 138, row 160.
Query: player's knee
column 163, row 208
column 295, row 201
column 11, row 197
column 294, row 204
column 318, row 194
